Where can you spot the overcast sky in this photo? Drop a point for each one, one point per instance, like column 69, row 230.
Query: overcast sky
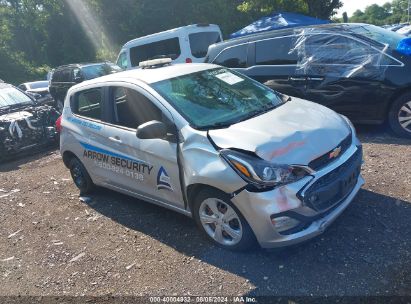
column 350, row 6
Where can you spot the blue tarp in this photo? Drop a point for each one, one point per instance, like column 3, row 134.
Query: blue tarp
column 277, row 21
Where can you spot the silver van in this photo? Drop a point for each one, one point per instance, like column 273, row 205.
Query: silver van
column 250, row 165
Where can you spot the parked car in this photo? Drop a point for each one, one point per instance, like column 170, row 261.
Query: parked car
column 39, row 90
column 361, row 71
column 64, row 77
column 184, row 44
column 406, row 31
column 247, row 163
column 24, row 124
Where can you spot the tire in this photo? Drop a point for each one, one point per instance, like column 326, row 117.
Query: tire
column 399, row 116
column 59, row 105
column 239, row 237
column 80, row 176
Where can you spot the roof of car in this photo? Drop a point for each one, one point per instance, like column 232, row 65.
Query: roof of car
column 71, row 65
column 276, row 33
column 152, row 75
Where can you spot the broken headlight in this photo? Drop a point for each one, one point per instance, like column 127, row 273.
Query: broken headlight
column 261, row 173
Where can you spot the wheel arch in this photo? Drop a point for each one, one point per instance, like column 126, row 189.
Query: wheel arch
column 67, row 157
column 393, row 98
column 194, row 189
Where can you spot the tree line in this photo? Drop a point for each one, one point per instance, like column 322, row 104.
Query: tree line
column 37, row 35
column 390, row 13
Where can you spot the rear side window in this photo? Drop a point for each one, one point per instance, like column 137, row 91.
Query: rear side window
column 88, row 104
column 275, row 52
column 65, row 75
column 234, row 57
column 56, row 76
column 199, row 42
column 169, row 48
column 132, row 108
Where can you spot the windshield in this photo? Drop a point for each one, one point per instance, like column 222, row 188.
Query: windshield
column 217, row 97
column 38, row 85
column 379, row 34
column 98, row 70
column 12, row 97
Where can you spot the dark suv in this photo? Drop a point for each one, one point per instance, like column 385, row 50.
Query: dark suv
column 64, row 77
column 359, row 70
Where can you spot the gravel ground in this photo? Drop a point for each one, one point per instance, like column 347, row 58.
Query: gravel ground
column 51, row 243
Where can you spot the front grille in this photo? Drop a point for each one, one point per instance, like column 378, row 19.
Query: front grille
column 335, row 185
column 325, row 159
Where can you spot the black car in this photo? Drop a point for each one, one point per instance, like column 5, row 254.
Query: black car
column 24, row 124
column 359, row 70
column 64, row 77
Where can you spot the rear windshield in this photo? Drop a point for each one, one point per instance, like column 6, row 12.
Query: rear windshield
column 11, row 97
column 199, row 42
column 169, row 48
column 98, row 70
column 378, row 34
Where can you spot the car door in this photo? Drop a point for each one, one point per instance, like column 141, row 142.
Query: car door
column 88, row 130
column 345, row 75
column 146, row 167
column 275, row 65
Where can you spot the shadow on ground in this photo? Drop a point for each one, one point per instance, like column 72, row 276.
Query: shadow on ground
column 15, row 162
column 365, row 252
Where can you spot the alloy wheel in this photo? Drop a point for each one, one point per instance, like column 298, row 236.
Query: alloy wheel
column 404, row 116
column 78, row 176
column 220, row 221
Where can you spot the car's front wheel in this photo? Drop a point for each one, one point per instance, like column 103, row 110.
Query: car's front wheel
column 80, row 176
column 222, row 222
column 400, row 116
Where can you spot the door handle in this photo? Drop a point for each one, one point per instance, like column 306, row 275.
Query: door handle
column 115, row 139
column 297, row 78
column 315, row 78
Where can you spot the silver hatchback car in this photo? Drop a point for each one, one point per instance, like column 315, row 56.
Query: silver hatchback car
column 250, row 165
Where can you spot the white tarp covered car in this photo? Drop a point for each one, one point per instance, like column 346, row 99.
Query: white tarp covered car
column 248, row 164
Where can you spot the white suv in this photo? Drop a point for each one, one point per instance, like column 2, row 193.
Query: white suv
column 248, row 164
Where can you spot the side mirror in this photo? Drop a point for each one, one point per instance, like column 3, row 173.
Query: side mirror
column 152, row 129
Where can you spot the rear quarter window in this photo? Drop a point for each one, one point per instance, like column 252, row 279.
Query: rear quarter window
column 169, row 48
column 233, row 57
column 88, row 103
column 199, row 42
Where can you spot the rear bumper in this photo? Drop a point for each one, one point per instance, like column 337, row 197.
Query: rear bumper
column 260, row 208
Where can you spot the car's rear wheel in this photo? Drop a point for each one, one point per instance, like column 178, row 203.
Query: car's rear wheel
column 80, row 176
column 222, row 222
column 400, row 116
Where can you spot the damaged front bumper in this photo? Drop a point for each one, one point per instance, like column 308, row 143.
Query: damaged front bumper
column 302, row 210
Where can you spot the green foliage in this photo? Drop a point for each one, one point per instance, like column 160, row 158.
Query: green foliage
column 389, row 13
column 37, row 35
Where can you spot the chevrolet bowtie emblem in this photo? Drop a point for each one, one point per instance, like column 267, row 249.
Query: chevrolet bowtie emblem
column 335, row 153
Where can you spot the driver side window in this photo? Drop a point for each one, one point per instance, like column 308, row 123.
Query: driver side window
column 132, row 109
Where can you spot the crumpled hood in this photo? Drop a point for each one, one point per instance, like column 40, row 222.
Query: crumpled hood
column 295, row 133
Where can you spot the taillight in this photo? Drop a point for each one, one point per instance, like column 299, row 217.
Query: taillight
column 58, row 124
column 189, row 60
